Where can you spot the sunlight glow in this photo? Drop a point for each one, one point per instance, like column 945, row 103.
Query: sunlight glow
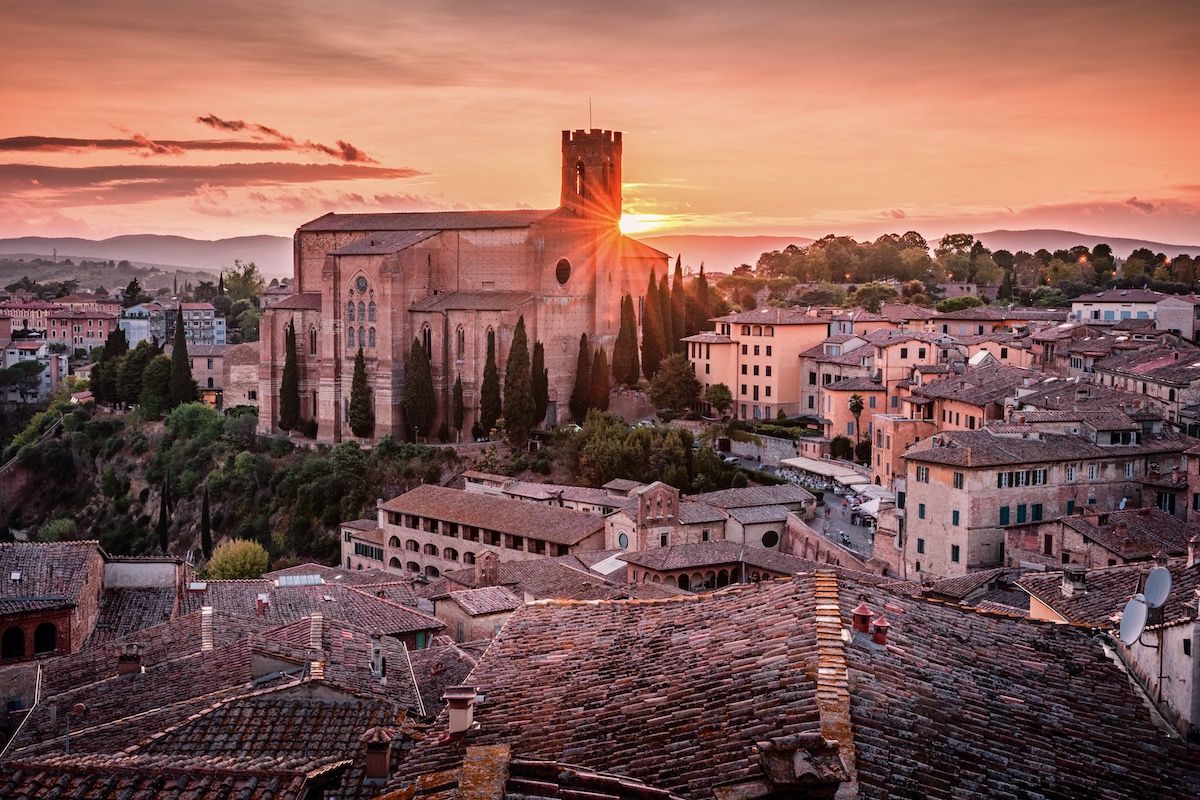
column 643, row 223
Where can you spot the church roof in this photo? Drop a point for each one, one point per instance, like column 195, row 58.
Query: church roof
column 305, row 301
column 472, row 301
column 426, row 221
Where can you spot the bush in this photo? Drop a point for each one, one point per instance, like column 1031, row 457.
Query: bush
column 237, row 559
column 443, row 433
column 58, row 530
column 308, row 428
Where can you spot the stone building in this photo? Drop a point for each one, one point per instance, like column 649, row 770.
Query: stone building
column 377, row 282
column 51, row 597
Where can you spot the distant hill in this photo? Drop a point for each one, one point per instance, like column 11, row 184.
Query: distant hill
column 1032, row 241
column 720, row 253
column 272, row 254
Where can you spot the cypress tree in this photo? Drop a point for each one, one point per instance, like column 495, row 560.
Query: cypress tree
column 205, row 526
column 653, row 343
column 670, row 338
column 221, row 285
column 489, row 391
column 419, row 403
column 679, row 308
column 182, row 388
column 105, row 374
column 541, row 384
column 460, row 409
column 625, row 366
column 601, row 383
column 703, row 303
column 519, row 407
column 289, row 388
column 362, row 404
column 164, row 518
column 581, row 394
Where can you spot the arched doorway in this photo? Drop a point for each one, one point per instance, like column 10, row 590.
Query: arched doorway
column 683, row 582
column 45, row 638
column 12, row 644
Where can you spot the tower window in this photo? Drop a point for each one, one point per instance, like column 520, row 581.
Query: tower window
column 427, row 341
column 579, row 185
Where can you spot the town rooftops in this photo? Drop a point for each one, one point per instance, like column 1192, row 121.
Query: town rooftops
column 1121, row 296
column 1105, row 591
column 711, row 554
column 304, row 301
column 472, row 300
column 784, row 494
column 988, row 448
column 42, row 575
column 544, row 579
column 1135, row 533
column 426, row 221
column 501, row 514
column 486, row 600
column 859, row 384
column 980, row 385
column 773, row 316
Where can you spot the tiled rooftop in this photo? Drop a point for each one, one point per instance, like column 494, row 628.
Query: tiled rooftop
column 37, row 575
column 425, row 221
column 486, row 600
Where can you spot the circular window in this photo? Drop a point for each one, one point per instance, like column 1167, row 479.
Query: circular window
column 623, row 540
column 770, row 539
column 361, row 283
column 563, row 271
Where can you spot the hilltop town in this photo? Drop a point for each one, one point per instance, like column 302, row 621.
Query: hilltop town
column 859, row 520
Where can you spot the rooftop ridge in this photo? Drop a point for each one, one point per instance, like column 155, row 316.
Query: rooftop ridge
column 833, row 686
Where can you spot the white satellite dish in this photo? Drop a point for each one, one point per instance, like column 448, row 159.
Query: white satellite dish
column 1133, row 619
column 1158, row 586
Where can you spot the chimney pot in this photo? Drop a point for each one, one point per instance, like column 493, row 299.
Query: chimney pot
column 862, row 617
column 1074, row 580
column 879, row 630
column 129, row 659
column 1193, row 551
column 378, row 741
column 461, row 702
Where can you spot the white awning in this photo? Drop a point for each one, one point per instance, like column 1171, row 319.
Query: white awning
column 822, row 467
column 870, row 508
column 852, row 480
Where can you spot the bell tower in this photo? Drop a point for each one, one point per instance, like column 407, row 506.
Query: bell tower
column 591, row 174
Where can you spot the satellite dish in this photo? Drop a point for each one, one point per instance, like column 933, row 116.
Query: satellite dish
column 1124, row 500
column 1133, row 619
column 1158, row 586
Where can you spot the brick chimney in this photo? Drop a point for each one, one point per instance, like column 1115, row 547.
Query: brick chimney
column 879, row 630
column 263, row 604
column 461, row 701
column 206, row 629
column 1193, row 551
column 862, row 617
column 1074, row 580
column 378, row 741
column 129, row 659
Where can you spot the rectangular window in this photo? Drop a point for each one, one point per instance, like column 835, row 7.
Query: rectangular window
column 850, row 428
column 1092, row 472
column 767, row 390
column 1003, row 352
column 756, row 369
column 1003, row 480
column 1039, row 477
column 920, row 547
column 812, row 379
column 664, row 539
column 744, row 349
column 954, row 551
column 743, row 388
column 1070, row 474
column 1022, row 513
column 1129, row 469
column 1035, row 512
column 1071, row 507
column 755, row 349
column 903, row 353
column 704, row 534
column 895, row 401
column 954, row 518
column 743, row 369
column 900, row 500
column 1003, row 515
column 922, row 474
column 768, row 350
column 871, row 401
column 768, row 370
column 920, row 510
column 921, row 353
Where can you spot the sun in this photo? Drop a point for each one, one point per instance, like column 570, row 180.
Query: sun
column 641, row 223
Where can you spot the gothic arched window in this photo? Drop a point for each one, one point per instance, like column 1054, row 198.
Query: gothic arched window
column 371, row 337
column 371, row 312
column 427, row 341
column 362, row 311
column 350, row 338
column 460, row 344
column 350, row 311
column 312, row 341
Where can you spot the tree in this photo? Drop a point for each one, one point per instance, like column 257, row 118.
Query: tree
column 958, row 304
column 107, row 369
column 704, row 306
column 872, row 296
column 856, row 409
column 653, row 341
column 719, row 397
column 243, row 281
column 581, row 394
column 601, row 382
column 678, row 308
column 134, row 295
column 489, row 391
column 459, row 408
column 182, row 388
column 237, row 559
column 205, row 526
column 670, row 335
column 130, row 369
column 362, row 404
column 675, row 385
column 625, row 366
column 289, row 385
column 541, row 384
column 419, row 402
column 519, row 407
column 164, row 518
column 156, row 386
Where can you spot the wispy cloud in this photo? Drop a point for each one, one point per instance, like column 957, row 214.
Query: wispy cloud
column 343, row 150
column 135, row 143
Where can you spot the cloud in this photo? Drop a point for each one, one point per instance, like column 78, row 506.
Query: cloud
column 314, row 200
column 895, row 213
column 57, row 144
column 139, row 183
column 344, row 151
column 1145, row 208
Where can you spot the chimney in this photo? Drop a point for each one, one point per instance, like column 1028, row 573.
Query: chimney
column 129, row 659
column 1074, row 580
column 315, row 629
column 461, row 701
column 1193, row 551
column 378, row 662
column 862, row 617
column 879, row 630
column 378, row 741
column 263, row 604
column 206, row 629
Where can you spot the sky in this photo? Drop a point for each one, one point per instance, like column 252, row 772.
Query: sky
column 229, row 118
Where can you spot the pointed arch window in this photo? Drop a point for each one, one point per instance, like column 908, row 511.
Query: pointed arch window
column 427, row 341
column 460, row 344
column 371, row 337
column 350, row 311
column 312, row 340
column 362, row 311
column 579, row 183
column 371, row 312
column 350, row 338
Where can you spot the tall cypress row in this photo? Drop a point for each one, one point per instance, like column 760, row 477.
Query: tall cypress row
column 625, row 363
column 601, row 383
column 182, row 388
column 541, row 384
column 653, row 343
column 289, row 385
column 679, row 308
column 489, row 391
column 419, row 402
column 670, row 338
column 362, row 404
column 519, row 407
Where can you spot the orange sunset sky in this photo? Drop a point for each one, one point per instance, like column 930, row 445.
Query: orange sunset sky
column 220, row 118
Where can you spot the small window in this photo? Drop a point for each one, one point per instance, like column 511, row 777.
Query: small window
column 920, row 510
column 920, row 546
column 954, row 553
column 958, row 480
column 1004, row 515
column 954, row 518
column 922, row 474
